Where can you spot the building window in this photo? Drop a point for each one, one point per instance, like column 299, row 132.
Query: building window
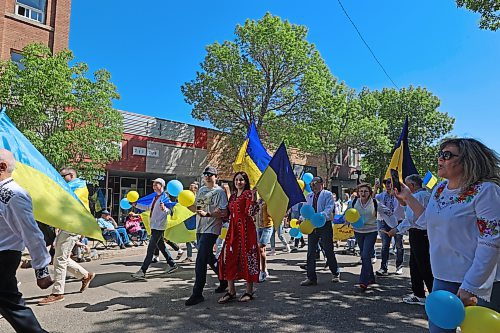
column 32, row 9
column 16, row 57
column 338, row 157
column 352, row 157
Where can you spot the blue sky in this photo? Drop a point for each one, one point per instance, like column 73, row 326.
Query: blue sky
column 152, row 49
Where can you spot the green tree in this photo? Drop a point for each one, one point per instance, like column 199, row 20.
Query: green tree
column 427, row 125
column 67, row 116
column 332, row 120
column 489, row 10
column 257, row 76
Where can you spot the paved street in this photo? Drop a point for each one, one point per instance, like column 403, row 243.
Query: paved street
column 116, row 303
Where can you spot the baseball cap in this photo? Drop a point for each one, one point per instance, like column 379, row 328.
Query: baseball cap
column 159, row 180
column 210, row 169
column 105, row 212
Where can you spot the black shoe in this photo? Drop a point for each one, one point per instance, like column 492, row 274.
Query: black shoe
column 302, row 245
column 193, row 300
column 222, row 287
column 303, row 266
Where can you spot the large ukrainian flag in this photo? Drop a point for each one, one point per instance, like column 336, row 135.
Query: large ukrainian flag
column 278, row 186
column 401, row 158
column 252, row 157
column 54, row 203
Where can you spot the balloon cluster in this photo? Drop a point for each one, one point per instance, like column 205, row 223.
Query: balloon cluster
column 447, row 311
column 307, row 179
column 174, row 187
column 352, row 216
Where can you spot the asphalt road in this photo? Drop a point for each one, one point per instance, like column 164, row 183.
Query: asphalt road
column 116, row 303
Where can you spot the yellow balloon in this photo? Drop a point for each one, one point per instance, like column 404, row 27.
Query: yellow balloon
column 479, row 319
column 301, row 184
column 132, row 196
column 306, row 227
column 294, row 223
column 223, row 233
column 186, row 198
column 352, row 215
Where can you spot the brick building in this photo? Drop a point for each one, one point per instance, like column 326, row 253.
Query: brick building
column 153, row 147
column 28, row 21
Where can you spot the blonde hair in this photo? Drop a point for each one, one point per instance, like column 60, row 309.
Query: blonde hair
column 480, row 163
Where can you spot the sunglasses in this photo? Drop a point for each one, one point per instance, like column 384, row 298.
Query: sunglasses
column 64, row 175
column 208, row 174
column 446, row 155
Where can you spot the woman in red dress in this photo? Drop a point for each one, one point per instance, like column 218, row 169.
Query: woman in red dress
column 239, row 258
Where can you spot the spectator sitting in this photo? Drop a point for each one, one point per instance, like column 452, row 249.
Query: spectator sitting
column 109, row 226
column 81, row 251
column 133, row 226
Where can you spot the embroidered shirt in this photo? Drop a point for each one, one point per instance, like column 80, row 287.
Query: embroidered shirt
column 463, row 230
column 392, row 203
column 18, row 228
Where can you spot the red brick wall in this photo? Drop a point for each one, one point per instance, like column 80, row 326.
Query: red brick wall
column 129, row 162
column 16, row 32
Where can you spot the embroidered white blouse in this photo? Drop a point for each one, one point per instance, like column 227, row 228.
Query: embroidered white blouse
column 464, row 238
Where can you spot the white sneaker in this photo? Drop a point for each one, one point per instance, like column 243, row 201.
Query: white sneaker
column 155, row 259
column 140, row 275
column 171, row 269
column 381, row 272
column 287, row 249
column 399, row 270
column 263, row 276
column 271, row 253
column 374, row 260
column 412, row 299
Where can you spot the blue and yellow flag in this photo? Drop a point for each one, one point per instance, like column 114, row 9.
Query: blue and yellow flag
column 79, row 187
column 401, row 158
column 99, row 200
column 252, row 157
column 54, row 203
column 181, row 225
column 278, row 186
column 429, row 180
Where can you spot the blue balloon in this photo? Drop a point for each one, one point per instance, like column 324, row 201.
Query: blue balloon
column 125, row 204
column 318, row 220
column 338, row 219
column 308, row 188
column 307, row 178
column 444, row 309
column 174, row 187
column 307, row 211
column 359, row 223
column 295, row 233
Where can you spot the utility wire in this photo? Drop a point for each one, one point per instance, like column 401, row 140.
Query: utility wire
column 366, row 44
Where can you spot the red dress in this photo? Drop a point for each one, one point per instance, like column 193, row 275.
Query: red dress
column 239, row 258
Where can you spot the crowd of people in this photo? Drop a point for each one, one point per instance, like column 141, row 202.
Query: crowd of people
column 454, row 233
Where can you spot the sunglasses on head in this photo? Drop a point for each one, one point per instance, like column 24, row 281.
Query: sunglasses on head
column 446, row 155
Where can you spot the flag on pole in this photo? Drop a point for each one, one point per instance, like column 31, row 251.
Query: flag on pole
column 252, row 157
column 430, row 180
column 54, row 203
column 401, row 158
column 278, row 187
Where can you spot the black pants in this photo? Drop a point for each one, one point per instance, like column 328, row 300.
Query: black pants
column 323, row 235
column 172, row 245
column 156, row 243
column 301, row 240
column 12, row 305
column 420, row 262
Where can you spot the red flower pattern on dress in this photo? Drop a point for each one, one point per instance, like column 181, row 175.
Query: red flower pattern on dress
column 488, row 228
column 465, row 196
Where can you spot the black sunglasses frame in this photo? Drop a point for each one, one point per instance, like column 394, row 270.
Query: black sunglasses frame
column 446, row 155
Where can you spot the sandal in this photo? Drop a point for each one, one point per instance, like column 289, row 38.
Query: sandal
column 246, row 297
column 228, row 297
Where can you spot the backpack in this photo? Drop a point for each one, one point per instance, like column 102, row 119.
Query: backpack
column 375, row 204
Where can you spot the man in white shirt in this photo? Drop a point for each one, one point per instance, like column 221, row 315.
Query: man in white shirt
column 390, row 201
column 158, row 222
column 18, row 230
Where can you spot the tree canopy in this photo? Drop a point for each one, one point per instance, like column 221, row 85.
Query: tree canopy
column 489, row 10
column 67, row 116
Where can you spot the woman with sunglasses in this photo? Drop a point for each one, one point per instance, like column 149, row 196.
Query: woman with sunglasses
column 239, row 258
column 463, row 223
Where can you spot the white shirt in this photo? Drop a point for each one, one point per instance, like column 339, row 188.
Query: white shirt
column 392, row 203
column 18, row 228
column 464, row 236
column 158, row 218
column 423, row 197
column 367, row 211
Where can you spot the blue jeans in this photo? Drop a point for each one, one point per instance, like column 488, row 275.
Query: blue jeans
column 452, row 287
column 189, row 248
column 119, row 235
column 141, row 234
column 386, row 244
column 323, row 235
column 205, row 257
column 280, row 236
column 366, row 242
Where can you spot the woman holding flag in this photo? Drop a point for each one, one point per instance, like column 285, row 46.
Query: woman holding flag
column 239, row 258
